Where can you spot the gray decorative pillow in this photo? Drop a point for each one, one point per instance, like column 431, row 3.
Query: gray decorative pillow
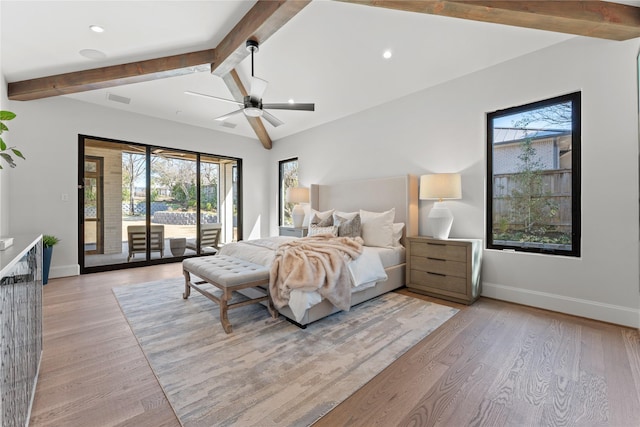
column 348, row 227
column 321, row 222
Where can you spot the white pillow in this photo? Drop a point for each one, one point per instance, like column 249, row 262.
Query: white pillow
column 377, row 227
column 315, row 230
column 321, row 215
column 345, row 215
column 397, row 233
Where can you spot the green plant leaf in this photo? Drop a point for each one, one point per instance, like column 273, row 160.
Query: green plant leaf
column 18, row 153
column 7, row 158
column 48, row 240
column 7, row 115
column 4, row 116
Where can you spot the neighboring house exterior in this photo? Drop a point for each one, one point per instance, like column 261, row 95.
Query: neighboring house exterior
column 553, row 148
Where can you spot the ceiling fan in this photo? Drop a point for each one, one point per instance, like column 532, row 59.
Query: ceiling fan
column 252, row 105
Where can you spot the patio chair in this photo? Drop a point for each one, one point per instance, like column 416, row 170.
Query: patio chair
column 137, row 238
column 209, row 239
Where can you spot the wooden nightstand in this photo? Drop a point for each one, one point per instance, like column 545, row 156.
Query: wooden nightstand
column 447, row 269
column 293, row 232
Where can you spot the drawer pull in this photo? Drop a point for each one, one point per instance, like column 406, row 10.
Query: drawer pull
column 436, row 274
column 436, row 259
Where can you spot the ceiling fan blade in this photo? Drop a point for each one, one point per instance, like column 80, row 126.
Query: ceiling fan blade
column 226, row 116
column 231, row 101
column 275, row 122
column 289, row 106
column 258, row 86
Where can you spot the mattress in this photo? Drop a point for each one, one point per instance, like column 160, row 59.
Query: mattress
column 389, row 256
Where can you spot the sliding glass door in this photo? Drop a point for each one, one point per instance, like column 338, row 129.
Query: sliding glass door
column 143, row 205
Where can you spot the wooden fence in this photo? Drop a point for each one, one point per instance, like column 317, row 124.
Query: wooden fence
column 556, row 183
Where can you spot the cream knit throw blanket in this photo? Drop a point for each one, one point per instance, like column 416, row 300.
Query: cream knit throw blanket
column 315, row 263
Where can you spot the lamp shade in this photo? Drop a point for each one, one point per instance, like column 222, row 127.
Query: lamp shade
column 440, row 186
column 297, row 195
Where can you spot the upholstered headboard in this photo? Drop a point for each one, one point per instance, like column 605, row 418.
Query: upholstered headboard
column 376, row 195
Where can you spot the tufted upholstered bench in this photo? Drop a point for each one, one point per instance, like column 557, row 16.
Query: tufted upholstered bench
column 228, row 274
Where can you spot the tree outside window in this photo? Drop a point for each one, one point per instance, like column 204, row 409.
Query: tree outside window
column 533, row 171
column 288, row 179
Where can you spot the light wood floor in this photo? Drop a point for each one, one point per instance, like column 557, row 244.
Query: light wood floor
column 493, row 364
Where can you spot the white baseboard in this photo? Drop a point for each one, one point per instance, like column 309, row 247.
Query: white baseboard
column 626, row 316
column 64, row 271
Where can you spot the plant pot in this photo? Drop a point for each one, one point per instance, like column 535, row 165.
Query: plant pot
column 47, row 252
column 177, row 246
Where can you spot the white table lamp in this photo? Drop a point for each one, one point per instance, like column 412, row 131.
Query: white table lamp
column 297, row 195
column 440, row 186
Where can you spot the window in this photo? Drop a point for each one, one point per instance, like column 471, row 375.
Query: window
column 288, row 179
column 533, row 176
column 146, row 204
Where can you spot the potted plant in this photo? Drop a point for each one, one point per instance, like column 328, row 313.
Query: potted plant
column 48, row 242
column 5, row 152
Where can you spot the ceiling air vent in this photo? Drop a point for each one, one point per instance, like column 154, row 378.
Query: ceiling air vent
column 118, row 98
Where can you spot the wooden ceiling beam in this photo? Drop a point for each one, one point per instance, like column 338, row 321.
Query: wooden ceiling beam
column 601, row 19
column 262, row 21
column 105, row 77
column 233, row 82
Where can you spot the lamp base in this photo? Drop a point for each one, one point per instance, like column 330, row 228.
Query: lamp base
column 440, row 220
column 297, row 214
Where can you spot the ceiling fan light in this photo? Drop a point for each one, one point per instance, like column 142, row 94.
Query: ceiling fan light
column 253, row 112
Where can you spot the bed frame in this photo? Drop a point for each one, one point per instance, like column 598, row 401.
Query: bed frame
column 376, row 195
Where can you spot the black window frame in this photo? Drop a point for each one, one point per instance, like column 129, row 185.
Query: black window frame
column 576, row 135
column 148, row 148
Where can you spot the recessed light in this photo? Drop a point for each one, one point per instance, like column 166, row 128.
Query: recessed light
column 387, row 54
column 96, row 28
column 291, row 101
column 92, row 54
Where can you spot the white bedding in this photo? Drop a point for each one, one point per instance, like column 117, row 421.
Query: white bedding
column 365, row 271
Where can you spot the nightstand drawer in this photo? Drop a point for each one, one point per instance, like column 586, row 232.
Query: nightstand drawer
column 439, row 266
column 439, row 281
column 439, row 251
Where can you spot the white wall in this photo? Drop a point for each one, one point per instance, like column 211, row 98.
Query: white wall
column 4, row 179
column 47, row 133
column 5, row 173
column 442, row 129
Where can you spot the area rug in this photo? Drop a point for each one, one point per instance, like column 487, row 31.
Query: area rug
column 267, row 372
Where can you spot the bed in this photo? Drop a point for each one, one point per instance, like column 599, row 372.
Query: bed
column 399, row 193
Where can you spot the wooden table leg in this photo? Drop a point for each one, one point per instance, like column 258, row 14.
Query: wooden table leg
column 224, row 319
column 272, row 309
column 187, row 288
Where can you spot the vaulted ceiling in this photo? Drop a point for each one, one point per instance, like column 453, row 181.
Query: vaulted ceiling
column 325, row 52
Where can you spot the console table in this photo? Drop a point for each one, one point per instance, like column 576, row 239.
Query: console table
column 20, row 327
